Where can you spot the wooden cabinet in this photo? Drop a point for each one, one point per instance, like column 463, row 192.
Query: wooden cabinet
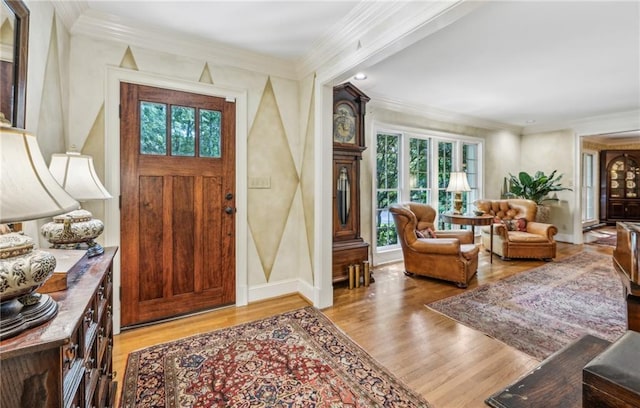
column 619, row 185
column 66, row 362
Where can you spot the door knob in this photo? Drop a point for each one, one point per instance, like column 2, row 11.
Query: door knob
column 228, row 210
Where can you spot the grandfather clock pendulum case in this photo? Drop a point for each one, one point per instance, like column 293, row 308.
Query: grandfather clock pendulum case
column 348, row 144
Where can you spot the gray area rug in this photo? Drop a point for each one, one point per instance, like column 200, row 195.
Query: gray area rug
column 541, row 310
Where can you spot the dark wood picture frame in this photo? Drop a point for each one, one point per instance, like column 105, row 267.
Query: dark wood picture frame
column 20, row 56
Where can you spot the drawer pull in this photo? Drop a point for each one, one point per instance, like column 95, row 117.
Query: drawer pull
column 90, row 363
column 69, row 355
column 88, row 317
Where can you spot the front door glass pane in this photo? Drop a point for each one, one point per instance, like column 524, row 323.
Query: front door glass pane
column 210, row 133
column 153, row 128
column 183, row 124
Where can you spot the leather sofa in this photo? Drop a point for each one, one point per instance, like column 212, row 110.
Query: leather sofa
column 516, row 234
column 451, row 255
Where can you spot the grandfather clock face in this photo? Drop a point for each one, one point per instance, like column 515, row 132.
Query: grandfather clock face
column 344, row 124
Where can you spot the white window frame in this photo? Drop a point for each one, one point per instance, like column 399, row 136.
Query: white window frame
column 595, row 194
column 394, row 253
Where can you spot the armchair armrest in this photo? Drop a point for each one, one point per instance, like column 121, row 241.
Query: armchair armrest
column 501, row 231
column 545, row 230
column 446, row 246
column 464, row 236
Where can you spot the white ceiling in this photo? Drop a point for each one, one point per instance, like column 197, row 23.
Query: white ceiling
column 511, row 62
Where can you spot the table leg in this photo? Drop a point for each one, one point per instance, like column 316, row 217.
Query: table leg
column 491, row 244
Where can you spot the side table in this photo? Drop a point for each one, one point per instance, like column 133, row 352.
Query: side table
column 473, row 220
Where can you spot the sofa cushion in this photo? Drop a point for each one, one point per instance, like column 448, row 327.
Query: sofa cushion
column 519, row 236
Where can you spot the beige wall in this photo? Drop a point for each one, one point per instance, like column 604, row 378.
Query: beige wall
column 47, row 88
column 554, row 151
column 275, row 143
column 66, row 107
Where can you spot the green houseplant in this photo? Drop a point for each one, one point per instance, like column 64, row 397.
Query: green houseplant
column 535, row 188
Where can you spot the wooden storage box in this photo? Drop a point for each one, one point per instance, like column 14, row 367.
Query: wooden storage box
column 66, row 259
column 613, row 378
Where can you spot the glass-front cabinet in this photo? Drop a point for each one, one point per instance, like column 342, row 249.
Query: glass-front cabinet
column 620, row 185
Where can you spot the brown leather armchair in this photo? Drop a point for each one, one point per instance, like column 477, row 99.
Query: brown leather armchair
column 533, row 240
column 451, row 256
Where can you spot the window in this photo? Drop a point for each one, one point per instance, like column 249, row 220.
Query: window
column 411, row 166
column 187, row 135
column 387, row 188
column 588, row 187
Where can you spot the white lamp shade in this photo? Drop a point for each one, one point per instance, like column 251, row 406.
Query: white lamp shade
column 28, row 191
column 458, row 182
column 76, row 174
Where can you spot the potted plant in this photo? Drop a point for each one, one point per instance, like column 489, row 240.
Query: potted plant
column 536, row 188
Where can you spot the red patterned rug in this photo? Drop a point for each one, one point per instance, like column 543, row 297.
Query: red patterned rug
column 295, row 359
column 541, row 310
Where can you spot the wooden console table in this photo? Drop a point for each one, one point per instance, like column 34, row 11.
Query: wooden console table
column 473, row 220
column 67, row 361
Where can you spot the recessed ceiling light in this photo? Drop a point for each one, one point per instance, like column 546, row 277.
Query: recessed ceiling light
column 530, row 121
column 360, row 76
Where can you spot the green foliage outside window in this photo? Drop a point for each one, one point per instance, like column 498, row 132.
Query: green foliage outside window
column 387, row 161
column 153, row 128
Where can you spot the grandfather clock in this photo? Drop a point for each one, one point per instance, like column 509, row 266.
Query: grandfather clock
column 348, row 144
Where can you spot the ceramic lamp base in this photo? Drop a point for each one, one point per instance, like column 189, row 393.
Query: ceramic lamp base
column 457, row 203
column 74, row 230
column 16, row 316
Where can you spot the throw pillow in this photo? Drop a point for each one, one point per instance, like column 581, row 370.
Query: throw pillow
column 519, row 224
column 426, row 233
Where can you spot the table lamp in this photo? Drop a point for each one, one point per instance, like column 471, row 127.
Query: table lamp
column 28, row 192
column 457, row 184
column 75, row 230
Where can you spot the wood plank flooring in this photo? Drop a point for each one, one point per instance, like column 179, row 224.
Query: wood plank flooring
column 450, row 364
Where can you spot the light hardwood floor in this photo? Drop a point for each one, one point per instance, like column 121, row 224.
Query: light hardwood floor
column 450, row 364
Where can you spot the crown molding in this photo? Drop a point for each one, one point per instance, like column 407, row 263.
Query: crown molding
column 345, row 35
column 69, row 11
column 432, row 113
column 108, row 27
column 379, row 30
column 609, row 123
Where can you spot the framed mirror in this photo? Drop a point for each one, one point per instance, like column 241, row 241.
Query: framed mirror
column 14, row 46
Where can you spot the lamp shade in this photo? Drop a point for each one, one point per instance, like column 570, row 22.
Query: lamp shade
column 28, row 191
column 458, row 182
column 76, row 174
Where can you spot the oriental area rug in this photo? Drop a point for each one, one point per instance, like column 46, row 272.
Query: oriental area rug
column 295, row 359
column 541, row 310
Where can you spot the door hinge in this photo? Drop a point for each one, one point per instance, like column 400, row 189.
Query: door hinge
column 120, row 202
column 120, row 293
column 120, row 111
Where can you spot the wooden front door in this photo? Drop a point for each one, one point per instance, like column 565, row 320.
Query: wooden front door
column 177, row 202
